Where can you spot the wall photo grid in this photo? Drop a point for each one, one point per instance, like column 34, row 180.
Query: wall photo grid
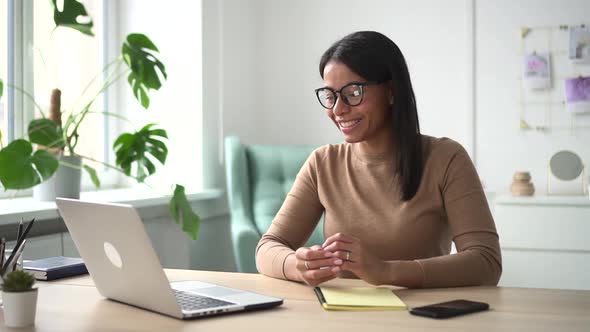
column 555, row 76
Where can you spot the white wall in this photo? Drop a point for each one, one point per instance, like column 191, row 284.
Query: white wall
column 292, row 35
column 229, row 79
column 271, row 48
column 502, row 148
column 259, row 69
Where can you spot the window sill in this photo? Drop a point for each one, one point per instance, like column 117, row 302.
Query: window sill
column 11, row 210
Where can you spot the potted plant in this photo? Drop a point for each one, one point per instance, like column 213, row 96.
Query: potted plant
column 19, row 298
column 49, row 148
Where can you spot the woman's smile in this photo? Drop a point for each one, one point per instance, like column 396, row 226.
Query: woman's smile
column 349, row 125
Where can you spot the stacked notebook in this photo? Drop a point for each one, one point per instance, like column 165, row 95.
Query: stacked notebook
column 55, row 267
column 358, row 298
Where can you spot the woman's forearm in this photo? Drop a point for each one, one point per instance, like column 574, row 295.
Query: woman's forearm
column 291, row 268
column 403, row 273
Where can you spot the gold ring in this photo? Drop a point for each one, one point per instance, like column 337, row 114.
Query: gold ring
column 306, row 266
column 348, row 255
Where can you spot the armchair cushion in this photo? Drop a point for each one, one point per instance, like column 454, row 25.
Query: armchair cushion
column 259, row 177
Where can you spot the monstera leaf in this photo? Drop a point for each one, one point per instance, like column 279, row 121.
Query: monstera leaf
column 138, row 148
column 47, row 133
column 19, row 169
column 144, row 66
column 93, row 175
column 69, row 17
column 182, row 213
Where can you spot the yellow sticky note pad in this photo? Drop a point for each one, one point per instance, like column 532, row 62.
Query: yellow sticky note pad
column 359, row 298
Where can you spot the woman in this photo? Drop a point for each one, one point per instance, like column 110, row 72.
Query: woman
column 393, row 199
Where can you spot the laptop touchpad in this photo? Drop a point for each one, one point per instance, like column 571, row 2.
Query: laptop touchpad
column 216, row 291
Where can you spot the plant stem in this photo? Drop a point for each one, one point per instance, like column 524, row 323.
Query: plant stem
column 50, row 145
column 28, row 95
column 108, row 166
column 43, row 62
column 117, row 61
column 65, row 163
column 82, row 114
column 115, row 115
column 156, row 190
column 118, row 170
column 53, row 57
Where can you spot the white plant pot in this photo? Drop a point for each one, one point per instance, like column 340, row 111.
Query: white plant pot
column 64, row 183
column 20, row 308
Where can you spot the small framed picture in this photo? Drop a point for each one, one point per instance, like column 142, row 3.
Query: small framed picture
column 537, row 71
column 577, row 94
column 579, row 50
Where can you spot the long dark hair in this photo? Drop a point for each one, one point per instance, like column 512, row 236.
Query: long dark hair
column 377, row 58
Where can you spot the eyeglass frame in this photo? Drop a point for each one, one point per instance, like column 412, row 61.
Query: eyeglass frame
column 345, row 100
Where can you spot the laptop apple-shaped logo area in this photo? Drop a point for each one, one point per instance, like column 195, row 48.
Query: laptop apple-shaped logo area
column 113, row 255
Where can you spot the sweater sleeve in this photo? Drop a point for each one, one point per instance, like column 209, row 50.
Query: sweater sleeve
column 478, row 259
column 294, row 222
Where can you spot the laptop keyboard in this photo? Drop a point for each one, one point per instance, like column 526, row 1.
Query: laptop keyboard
column 190, row 301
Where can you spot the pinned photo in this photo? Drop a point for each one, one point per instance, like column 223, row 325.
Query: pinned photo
column 537, row 71
column 577, row 94
column 579, row 50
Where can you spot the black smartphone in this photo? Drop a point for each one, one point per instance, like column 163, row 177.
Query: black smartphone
column 450, row 309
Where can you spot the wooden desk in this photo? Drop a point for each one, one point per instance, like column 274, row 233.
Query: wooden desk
column 75, row 305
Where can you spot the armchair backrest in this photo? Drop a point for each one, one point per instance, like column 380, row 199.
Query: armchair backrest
column 259, row 178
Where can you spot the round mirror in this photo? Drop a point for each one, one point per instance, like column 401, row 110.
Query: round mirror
column 566, row 165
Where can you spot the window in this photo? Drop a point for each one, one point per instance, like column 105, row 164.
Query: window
column 3, row 75
column 37, row 60
column 68, row 60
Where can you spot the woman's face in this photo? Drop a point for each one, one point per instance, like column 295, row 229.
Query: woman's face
column 369, row 121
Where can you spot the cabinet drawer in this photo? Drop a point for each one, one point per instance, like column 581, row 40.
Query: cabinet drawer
column 545, row 269
column 543, row 227
column 40, row 247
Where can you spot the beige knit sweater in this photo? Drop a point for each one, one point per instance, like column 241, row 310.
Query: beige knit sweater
column 359, row 196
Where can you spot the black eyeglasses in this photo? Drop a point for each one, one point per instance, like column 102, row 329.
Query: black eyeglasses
column 352, row 94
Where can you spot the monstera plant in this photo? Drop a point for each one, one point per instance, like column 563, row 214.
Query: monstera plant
column 28, row 161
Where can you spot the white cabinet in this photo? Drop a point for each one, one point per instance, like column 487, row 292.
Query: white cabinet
column 41, row 246
column 545, row 241
column 68, row 246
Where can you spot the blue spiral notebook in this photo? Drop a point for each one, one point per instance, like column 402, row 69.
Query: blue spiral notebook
column 55, row 267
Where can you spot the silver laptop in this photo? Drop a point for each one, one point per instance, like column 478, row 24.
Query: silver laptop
column 123, row 264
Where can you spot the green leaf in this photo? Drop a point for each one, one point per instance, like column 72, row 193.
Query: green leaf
column 139, row 54
column 17, row 281
column 69, row 17
column 137, row 149
column 1, row 93
column 19, row 169
column 47, row 133
column 93, row 176
column 183, row 214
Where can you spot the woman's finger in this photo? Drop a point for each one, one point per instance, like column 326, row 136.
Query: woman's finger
column 338, row 237
column 321, row 275
column 309, row 254
column 316, row 282
column 340, row 246
column 319, row 263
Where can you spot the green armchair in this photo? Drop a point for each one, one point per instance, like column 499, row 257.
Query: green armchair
column 258, row 179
